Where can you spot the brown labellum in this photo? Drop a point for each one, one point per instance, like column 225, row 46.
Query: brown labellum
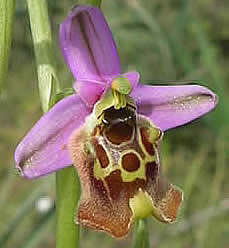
column 118, row 164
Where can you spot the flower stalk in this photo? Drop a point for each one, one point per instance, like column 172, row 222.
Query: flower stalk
column 67, row 183
column 6, row 23
column 42, row 40
column 67, row 196
column 140, row 235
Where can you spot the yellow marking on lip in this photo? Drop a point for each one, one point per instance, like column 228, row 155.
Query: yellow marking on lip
column 141, row 205
column 153, row 135
column 132, row 176
column 101, row 173
column 129, row 176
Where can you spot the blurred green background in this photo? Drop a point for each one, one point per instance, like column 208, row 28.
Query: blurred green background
column 163, row 40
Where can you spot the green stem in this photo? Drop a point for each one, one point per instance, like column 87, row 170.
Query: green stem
column 6, row 23
column 45, row 59
column 140, row 235
column 67, row 183
column 67, row 196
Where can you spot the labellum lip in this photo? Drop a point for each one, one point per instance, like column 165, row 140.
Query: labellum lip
column 120, row 173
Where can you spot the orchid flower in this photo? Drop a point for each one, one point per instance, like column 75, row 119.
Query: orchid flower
column 111, row 130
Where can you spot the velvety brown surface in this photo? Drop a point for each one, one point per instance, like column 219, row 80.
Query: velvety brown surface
column 101, row 154
column 130, row 162
column 147, row 144
column 119, row 133
column 104, row 202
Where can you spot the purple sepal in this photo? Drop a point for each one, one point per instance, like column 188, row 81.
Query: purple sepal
column 172, row 106
column 44, row 148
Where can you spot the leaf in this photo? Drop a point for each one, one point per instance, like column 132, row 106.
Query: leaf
column 6, row 23
column 45, row 59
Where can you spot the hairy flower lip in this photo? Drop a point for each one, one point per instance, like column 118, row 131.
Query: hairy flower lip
column 103, row 210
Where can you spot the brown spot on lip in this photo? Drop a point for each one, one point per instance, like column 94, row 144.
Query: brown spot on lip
column 119, row 190
column 115, row 184
column 101, row 155
column 130, row 162
column 119, row 133
column 145, row 141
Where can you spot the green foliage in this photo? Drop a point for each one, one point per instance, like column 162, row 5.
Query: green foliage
column 163, row 40
column 90, row 2
column 42, row 40
column 6, row 22
column 67, row 184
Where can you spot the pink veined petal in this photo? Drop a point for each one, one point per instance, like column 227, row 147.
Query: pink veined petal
column 88, row 46
column 44, row 148
column 133, row 77
column 89, row 91
column 172, row 106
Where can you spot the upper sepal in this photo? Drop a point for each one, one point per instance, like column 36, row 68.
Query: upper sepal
column 88, row 46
